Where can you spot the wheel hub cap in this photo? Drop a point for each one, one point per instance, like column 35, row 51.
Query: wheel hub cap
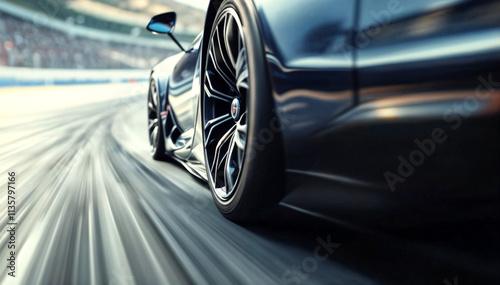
column 235, row 109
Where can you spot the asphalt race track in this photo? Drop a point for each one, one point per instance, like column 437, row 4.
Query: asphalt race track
column 92, row 207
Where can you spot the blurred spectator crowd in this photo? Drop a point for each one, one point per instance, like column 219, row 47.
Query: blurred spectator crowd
column 25, row 44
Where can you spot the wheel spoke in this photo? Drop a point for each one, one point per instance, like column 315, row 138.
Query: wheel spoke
column 231, row 34
column 241, row 62
column 223, row 48
column 241, row 71
column 153, row 123
column 219, row 157
column 214, row 123
column 242, row 82
column 216, row 171
column 241, row 133
column 229, row 168
column 151, row 106
column 215, row 94
column 152, row 92
column 221, row 72
column 153, row 136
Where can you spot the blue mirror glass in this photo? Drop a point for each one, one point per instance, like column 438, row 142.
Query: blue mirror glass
column 162, row 24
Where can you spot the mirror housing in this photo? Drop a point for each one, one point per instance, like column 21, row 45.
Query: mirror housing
column 164, row 24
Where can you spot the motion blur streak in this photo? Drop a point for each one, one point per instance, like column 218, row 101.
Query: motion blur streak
column 94, row 208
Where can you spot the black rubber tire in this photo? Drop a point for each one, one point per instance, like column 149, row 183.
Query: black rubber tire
column 158, row 151
column 260, row 185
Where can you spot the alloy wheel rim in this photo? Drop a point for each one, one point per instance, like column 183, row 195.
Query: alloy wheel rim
column 153, row 116
column 225, row 105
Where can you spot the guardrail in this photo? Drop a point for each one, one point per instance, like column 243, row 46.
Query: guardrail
column 14, row 76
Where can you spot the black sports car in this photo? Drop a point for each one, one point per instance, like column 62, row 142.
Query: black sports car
column 363, row 112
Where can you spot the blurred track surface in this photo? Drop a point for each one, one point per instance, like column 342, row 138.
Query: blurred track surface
column 94, row 208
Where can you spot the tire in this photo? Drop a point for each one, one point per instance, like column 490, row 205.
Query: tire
column 155, row 130
column 242, row 138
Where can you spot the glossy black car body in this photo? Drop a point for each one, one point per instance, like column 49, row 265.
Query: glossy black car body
column 389, row 111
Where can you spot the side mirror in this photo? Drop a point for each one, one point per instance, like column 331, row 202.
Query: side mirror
column 164, row 24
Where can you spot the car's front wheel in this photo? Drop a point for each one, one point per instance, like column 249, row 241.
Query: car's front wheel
column 243, row 153
column 155, row 131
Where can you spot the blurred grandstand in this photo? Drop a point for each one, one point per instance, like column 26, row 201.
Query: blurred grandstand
column 85, row 34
